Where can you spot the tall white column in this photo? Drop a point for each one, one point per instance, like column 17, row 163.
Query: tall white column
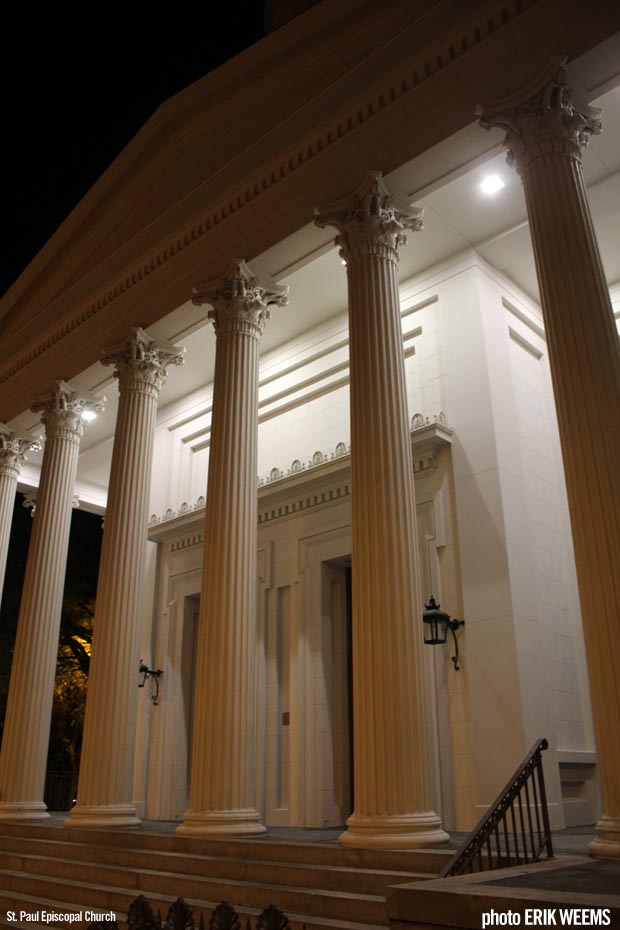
column 391, row 768
column 107, row 760
column 13, row 448
column 546, row 135
column 29, row 708
column 222, row 794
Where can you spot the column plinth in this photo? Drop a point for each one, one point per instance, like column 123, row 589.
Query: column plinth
column 391, row 764
column 29, row 708
column 546, row 135
column 222, row 794
column 13, row 448
column 105, row 787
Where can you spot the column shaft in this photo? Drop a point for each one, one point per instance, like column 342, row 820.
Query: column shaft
column 222, row 793
column 584, row 356
column 227, row 650
column 8, row 487
column 29, row 708
column 392, row 784
column 105, row 785
column 546, row 137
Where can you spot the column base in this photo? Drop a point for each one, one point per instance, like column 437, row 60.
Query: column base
column 104, row 816
column 23, row 810
column 607, row 843
column 221, row 823
column 403, row 831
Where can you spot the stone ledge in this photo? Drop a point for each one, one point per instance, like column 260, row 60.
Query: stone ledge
column 460, row 902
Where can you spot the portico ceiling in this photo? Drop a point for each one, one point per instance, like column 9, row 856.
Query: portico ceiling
column 458, row 216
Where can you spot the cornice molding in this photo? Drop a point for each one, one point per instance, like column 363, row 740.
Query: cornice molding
column 441, row 53
column 324, row 480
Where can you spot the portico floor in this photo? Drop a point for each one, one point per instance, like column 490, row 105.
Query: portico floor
column 572, row 841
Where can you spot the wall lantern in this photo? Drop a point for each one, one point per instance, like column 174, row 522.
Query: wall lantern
column 436, row 625
column 153, row 673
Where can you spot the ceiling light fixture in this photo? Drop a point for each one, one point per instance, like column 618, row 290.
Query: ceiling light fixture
column 491, row 184
column 89, row 415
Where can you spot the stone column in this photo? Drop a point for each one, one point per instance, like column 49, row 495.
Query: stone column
column 222, row 794
column 29, row 708
column 391, row 771
column 546, row 135
column 107, row 761
column 13, row 447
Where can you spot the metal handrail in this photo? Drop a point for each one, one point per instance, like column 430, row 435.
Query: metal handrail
column 496, row 842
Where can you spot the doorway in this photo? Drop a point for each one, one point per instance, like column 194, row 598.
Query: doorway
column 334, row 690
column 191, row 612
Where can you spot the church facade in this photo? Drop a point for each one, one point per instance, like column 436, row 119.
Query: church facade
column 340, row 379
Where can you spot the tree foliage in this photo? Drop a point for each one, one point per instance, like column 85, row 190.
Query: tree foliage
column 75, row 629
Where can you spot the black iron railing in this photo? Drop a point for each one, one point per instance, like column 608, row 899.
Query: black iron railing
column 515, row 829
column 60, row 790
column 180, row 916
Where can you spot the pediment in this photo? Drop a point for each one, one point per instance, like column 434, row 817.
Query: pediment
column 235, row 163
column 211, row 136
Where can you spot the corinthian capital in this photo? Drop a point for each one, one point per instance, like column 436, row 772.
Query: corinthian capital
column 13, row 448
column 240, row 299
column 67, row 408
column 142, row 360
column 372, row 220
column 542, row 120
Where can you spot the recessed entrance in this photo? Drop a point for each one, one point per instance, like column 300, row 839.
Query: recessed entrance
column 334, row 689
column 191, row 613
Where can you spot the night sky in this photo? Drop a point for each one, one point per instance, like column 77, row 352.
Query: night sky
column 75, row 93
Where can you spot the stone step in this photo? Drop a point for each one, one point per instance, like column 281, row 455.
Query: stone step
column 105, row 894
column 30, row 905
column 314, row 884
column 266, row 850
column 36, row 859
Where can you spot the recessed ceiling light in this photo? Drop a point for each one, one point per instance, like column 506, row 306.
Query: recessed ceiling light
column 89, row 415
column 491, row 184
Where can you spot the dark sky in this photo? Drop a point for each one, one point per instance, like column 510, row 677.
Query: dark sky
column 75, row 92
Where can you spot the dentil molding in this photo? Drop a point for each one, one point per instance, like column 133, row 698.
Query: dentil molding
column 322, row 480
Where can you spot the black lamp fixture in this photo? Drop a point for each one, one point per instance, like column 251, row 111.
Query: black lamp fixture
column 436, row 625
column 153, row 673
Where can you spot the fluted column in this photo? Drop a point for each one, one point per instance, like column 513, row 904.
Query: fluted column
column 222, row 793
column 107, row 761
column 29, row 708
column 391, row 767
column 546, row 135
column 13, row 447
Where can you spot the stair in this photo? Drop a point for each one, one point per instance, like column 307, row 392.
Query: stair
column 51, row 868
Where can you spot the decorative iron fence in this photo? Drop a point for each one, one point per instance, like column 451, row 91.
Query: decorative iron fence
column 60, row 790
column 515, row 829
column 180, row 916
